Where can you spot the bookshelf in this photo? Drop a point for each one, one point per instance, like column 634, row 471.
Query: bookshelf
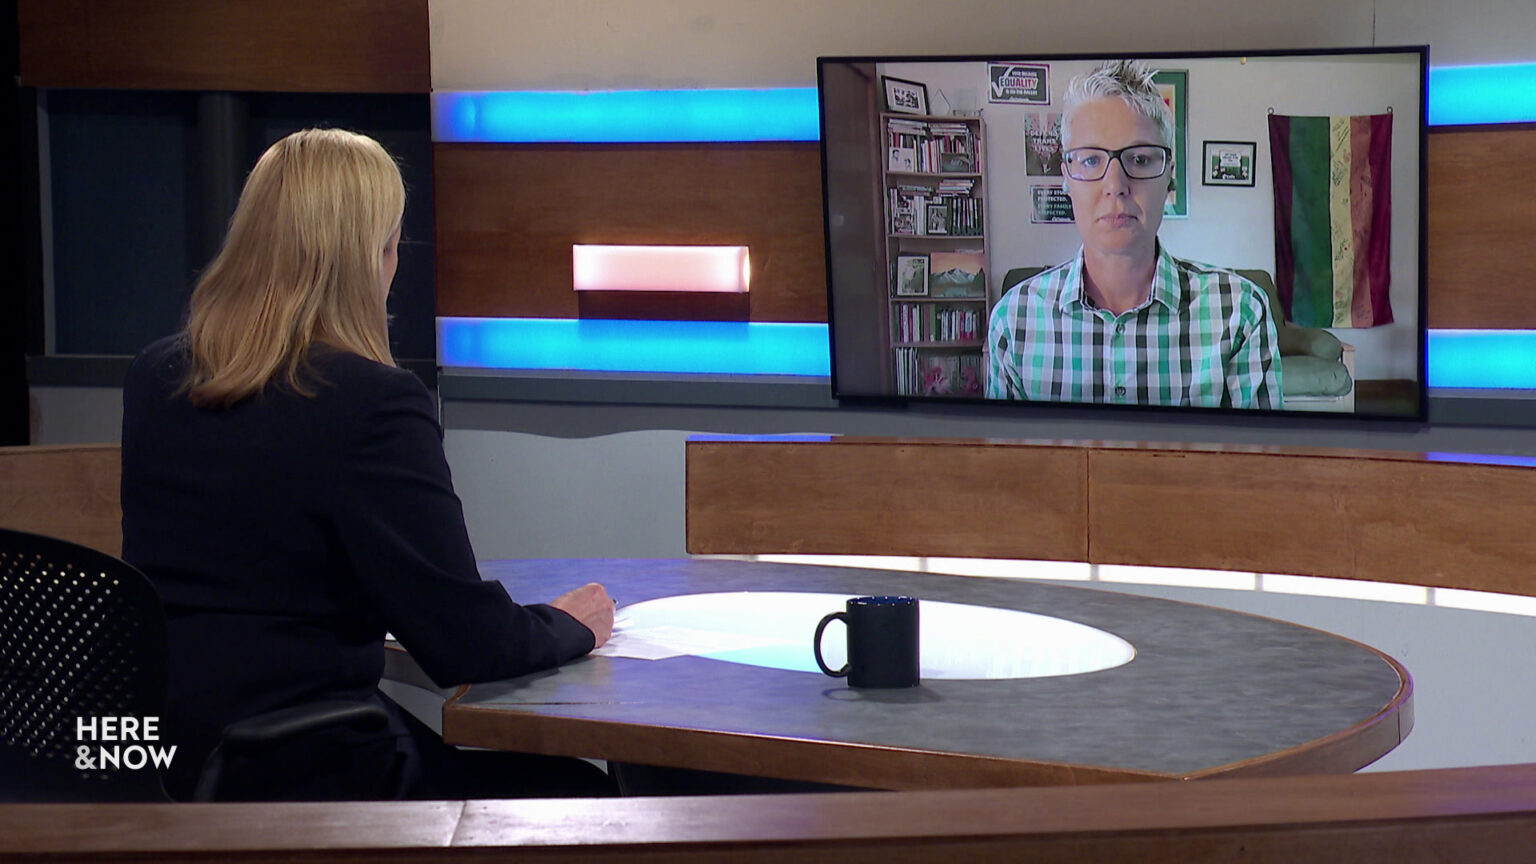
column 934, row 177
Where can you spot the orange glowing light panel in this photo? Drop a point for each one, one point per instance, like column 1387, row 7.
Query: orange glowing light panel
column 695, row 269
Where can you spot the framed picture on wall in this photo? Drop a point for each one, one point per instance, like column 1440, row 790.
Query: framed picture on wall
column 905, row 97
column 1228, row 163
column 960, row 273
column 1173, row 84
column 912, row 275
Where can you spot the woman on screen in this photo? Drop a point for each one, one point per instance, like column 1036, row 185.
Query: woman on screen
column 1126, row 321
column 285, row 488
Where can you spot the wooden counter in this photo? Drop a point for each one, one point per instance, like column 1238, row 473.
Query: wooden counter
column 1440, row 520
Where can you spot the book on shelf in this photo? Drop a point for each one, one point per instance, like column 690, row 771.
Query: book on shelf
column 928, row 322
column 937, row 147
column 926, row 211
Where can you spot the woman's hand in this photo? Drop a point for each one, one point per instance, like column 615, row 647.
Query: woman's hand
column 591, row 605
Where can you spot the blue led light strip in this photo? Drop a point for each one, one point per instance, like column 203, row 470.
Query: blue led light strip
column 627, row 116
column 1471, row 95
column 1483, row 459
column 1458, row 96
column 1458, row 359
column 700, row 347
column 1482, row 359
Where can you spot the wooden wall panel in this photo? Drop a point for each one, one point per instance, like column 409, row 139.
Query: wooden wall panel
column 1354, row 514
column 1449, row 525
column 1221, row 511
column 346, row 46
column 507, row 216
column 886, row 497
column 66, row 491
column 1383, row 519
column 1481, row 254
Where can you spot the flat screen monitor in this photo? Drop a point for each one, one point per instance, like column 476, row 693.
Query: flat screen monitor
column 1205, row 232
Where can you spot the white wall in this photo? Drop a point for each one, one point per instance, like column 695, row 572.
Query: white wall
column 536, row 496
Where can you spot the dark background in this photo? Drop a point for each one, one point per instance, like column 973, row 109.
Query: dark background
column 13, row 298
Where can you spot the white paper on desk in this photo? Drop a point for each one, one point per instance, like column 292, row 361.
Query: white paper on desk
column 661, row 642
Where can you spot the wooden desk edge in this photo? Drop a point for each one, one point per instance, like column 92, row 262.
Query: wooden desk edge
column 893, row 768
column 704, row 441
column 1465, row 814
column 1346, row 750
column 868, row 766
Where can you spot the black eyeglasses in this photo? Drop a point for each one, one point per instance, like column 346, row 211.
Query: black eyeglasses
column 1140, row 161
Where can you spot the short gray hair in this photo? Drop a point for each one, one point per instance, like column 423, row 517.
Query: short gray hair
column 1131, row 82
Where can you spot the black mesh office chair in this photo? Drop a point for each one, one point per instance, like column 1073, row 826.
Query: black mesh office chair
column 82, row 637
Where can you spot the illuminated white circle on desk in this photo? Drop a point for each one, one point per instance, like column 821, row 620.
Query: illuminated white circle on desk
column 774, row 629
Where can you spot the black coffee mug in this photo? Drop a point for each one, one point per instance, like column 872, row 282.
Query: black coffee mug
column 882, row 642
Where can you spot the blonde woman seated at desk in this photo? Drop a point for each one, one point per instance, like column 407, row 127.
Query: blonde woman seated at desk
column 285, row 488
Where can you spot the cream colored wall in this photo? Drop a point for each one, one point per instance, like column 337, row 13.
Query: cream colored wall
column 639, row 44
column 1461, row 33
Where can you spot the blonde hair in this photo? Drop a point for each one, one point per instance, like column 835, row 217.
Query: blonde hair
column 302, row 263
column 1131, row 82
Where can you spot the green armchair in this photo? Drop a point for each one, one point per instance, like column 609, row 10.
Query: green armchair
column 1317, row 370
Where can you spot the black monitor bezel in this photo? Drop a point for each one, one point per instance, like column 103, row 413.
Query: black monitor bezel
column 1419, row 415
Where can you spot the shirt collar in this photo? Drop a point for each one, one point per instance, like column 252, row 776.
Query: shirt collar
column 1165, row 282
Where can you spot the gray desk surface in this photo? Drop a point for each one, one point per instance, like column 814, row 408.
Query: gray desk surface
column 1210, row 692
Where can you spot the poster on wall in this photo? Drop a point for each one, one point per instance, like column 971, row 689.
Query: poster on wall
column 1042, row 144
column 1173, row 84
column 1019, row 83
column 1228, row 163
column 1050, row 204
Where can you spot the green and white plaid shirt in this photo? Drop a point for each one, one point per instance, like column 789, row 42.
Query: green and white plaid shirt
column 1204, row 337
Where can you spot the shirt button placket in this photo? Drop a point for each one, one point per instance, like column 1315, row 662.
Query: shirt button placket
column 1115, row 351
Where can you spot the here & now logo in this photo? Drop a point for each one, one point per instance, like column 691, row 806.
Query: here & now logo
column 120, row 743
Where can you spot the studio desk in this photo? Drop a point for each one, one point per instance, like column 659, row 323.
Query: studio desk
column 1210, row 692
column 1450, row 521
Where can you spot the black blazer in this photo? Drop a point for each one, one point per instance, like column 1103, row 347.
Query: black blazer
column 287, row 533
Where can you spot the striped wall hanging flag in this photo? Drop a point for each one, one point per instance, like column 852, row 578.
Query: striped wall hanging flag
column 1333, row 218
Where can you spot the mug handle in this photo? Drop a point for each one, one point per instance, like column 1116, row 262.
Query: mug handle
column 816, row 644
